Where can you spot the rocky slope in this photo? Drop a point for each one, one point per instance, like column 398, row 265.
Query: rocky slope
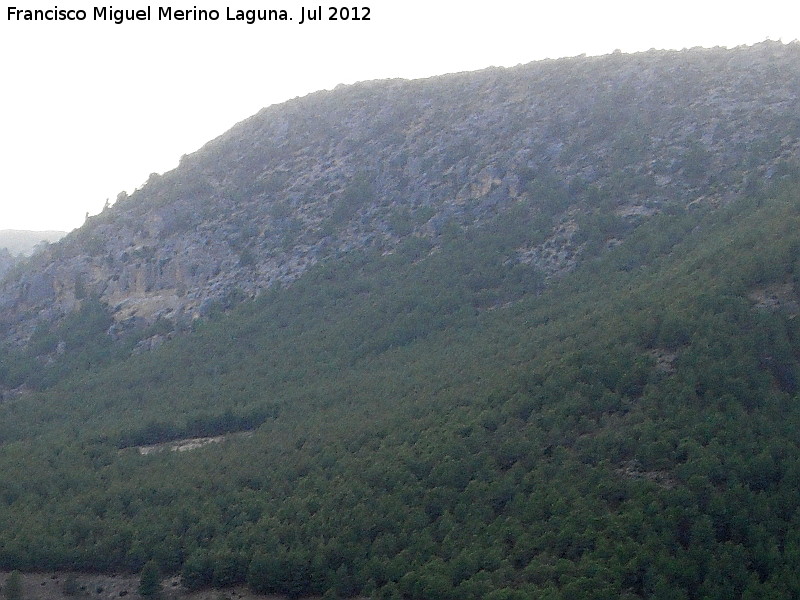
column 618, row 137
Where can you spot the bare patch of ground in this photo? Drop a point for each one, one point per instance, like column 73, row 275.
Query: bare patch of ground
column 77, row 586
column 636, row 210
column 777, row 297
column 634, row 470
column 558, row 254
column 665, row 360
column 189, row 443
column 63, row 585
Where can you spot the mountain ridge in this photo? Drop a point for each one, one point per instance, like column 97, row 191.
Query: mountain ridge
column 24, row 241
column 371, row 164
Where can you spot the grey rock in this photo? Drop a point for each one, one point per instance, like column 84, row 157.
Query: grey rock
column 308, row 180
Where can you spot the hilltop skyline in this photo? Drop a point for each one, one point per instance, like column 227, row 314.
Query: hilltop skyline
column 95, row 107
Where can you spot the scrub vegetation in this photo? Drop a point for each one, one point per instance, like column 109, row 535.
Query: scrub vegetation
column 534, row 354
column 446, row 429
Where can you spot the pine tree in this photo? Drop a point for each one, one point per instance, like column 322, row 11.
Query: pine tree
column 13, row 587
column 150, row 580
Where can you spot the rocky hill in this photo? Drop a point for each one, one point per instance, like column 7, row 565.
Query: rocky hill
column 523, row 333
column 590, row 140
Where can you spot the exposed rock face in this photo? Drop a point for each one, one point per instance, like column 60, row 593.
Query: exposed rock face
column 370, row 164
column 558, row 254
column 777, row 298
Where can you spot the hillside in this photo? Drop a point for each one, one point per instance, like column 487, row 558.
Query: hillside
column 456, row 376
column 610, row 140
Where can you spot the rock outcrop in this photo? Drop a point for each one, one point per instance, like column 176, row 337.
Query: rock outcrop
column 367, row 165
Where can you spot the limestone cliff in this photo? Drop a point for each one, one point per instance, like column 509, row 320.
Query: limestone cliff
column 365, row 166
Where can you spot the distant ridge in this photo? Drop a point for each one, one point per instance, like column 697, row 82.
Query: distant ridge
column 19, row 241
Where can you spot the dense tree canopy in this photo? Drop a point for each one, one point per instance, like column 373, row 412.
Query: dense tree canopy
column 435, row 423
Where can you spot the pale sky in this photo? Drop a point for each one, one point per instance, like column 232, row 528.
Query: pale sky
column 91, row 108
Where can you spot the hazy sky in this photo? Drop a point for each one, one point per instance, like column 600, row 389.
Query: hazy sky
column 91, row 108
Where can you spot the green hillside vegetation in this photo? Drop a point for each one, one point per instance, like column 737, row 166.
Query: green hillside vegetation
column 437, row 424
